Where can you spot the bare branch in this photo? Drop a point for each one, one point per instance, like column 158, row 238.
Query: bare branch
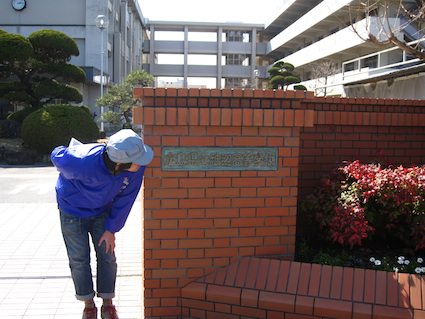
column 387, row 20
column 405, row 47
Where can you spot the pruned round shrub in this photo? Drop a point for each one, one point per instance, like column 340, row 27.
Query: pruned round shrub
column 14, row 47
column 55, row 125
column 53, row 46
column 300, row 87
column 19, row 116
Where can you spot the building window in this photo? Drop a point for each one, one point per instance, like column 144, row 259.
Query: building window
column 370, row 62
column 236, row 36
column 236, row 59
column 351, row 66
column 395, row 56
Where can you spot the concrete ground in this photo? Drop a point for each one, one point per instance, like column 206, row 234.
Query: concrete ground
column 35, row 280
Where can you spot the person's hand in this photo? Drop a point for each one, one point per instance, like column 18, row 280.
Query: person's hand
column 109, row 239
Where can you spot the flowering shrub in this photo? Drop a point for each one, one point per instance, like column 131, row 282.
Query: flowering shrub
column 400, row 261
column 398, row 264
column 365, row 202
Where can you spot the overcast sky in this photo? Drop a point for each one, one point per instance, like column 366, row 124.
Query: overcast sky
column 247, row 11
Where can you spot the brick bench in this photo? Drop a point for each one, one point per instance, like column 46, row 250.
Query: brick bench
column 277, row 289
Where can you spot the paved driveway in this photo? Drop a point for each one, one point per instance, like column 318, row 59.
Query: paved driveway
column 35, row 280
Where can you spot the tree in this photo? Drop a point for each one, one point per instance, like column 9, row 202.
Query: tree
column 120, row 97
column 35, row 71
column 392, row 22
column 54, row 125
column 321, row 72
column 281, row 76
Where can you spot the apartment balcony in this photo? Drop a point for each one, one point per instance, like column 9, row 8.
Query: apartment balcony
column 304, row 22
column 203, row 47
column 386, row 64
column 239, row 71
column 389, row 63
column 341, row 41
column 324, row 16
column 343, row 45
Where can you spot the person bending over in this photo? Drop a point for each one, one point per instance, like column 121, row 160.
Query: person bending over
column 96, row 188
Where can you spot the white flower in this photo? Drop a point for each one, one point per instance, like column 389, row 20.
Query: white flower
column 372, row 259
column 420, row 260
column 377, row 263
column 423, row 269
column 406, row 262
column 401, row 258
column 395, row 269
column 418, row 270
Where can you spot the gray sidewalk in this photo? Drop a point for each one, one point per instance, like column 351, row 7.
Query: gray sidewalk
column 35, row 279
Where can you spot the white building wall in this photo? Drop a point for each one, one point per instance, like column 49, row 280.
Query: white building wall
column 400, row 88
column 308, row 21
column 312, row 38
column 335, row 43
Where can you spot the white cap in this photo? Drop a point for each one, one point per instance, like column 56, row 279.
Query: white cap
column 126, row 146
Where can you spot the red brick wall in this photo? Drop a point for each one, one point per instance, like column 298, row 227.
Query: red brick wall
column 195, row 221
column 269, row 288
column 390, row 132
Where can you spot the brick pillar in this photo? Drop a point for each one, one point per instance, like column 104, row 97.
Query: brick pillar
column 195, row 221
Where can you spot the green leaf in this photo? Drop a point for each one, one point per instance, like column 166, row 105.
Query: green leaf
column 53, row 46
column 14, row 47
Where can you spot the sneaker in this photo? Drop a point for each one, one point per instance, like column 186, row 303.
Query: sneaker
column 90, row 313
column 109, row 312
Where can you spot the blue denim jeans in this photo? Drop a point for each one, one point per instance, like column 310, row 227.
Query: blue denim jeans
column 76, row 232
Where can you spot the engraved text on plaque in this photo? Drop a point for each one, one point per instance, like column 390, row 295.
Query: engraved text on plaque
column 219, row 158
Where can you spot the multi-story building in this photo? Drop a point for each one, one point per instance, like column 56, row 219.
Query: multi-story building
column 321, row 38
column 122, row 38
column 195, row 54
column 327, row 42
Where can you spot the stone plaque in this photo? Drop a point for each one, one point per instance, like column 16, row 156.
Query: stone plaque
column 219, row 158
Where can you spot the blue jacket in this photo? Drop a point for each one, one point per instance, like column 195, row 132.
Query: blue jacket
column 86, row 188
